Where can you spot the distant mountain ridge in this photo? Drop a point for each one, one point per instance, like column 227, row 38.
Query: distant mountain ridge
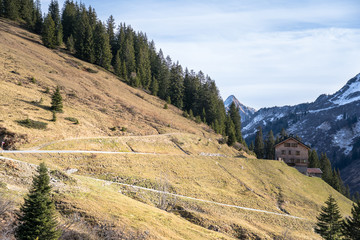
column 330, row 124
column 245, row 111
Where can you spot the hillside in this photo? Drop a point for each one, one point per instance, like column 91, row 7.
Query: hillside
column 218, row 189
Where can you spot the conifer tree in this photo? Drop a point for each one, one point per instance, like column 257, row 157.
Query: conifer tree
column 55, row 15
column 270, row 146
column 11, row 9
column 329, row 220
column 176, row 85
column 56, row 101
column 313, row 159
column 117, row 64
column 102, row 50
column 68, row 19
column 326, row 168
column 110, row 29
column 38, row 19
column 236, row 118
column 37, row 214
column 48, row 32
column 230, row 131
column 70, row 44
column 351, row 225
column 259, row 144
column 26, row 12
column 154, row 88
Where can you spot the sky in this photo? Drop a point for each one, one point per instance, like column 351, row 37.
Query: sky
column 265, row 52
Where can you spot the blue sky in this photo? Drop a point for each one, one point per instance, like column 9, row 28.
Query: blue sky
column 265, row 52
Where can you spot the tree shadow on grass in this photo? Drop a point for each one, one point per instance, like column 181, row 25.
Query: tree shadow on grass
column 36, row 104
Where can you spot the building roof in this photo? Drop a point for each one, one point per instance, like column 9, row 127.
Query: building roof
column 314, row 170
column 292, row 138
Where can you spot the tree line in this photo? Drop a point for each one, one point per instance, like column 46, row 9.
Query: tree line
column 130, row 56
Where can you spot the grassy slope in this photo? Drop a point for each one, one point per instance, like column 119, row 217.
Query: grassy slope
column 100, row 101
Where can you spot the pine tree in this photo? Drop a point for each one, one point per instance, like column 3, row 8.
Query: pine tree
column 110, row 29
column 230, row 131
column 270, row 146
column 236, row 118
column 325, row 164
column 38, row 19
column 176, row 85
column 55, row 15
column 117, row 64
column 313, row 159
column 48, row 32
column 56, row 101
column 259, row 144
column 102, row 49
column 11, row 9
column 154, row 88
column 26, row 12
column 329, row 220
column 68, row 19
column 37, row 214
column 351, row 225
column 70, row 44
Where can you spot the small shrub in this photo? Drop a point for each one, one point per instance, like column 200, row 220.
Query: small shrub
column 33, row 80
column 123, row 129
column 72, row 119
column 113, row 129
column 198, row 119
column 47, row 90
column 19, row 83
column 165, row 106
column 90, row 70
column 185, row 114
column 32, row 124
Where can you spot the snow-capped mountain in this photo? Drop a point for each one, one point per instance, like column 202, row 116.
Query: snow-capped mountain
column 330, row 125
column 245, row 112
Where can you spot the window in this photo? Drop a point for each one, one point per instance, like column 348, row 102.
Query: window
column 294, row 144
column 297, row 153
column 289, row 152
column 283, row 152
column 287, row 144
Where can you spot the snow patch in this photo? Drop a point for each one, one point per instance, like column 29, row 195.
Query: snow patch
column 325, row 126
column 340, row 117
column 343, row 139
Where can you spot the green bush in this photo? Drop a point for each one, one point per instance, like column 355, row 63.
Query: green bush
column 32, row 124
column 73, row 120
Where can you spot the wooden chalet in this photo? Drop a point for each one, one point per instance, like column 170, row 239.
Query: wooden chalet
column 294, row 153
column 314, row 172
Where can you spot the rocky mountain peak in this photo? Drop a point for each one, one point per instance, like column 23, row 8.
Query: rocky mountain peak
column 245, row 111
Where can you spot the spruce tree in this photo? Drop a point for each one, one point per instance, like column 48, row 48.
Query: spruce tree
column 11, row 9
column 55, row 15
column 236, row 118
column 154, row 88
column 325, row 164
column 117, row 64
column 102, row 49
column 259, row 144
column 351, row 225
column 329, row 220
column 56, row 101
column 230, row 131
column 48, row 32
column 70, row 44
column 37, row 215
column 313, row 159
column 270, row 146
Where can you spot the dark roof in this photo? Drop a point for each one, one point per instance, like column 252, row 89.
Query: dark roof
column 292, row 138
column 314, row 170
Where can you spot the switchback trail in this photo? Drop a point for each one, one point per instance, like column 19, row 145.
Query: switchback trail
column 176, row 195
